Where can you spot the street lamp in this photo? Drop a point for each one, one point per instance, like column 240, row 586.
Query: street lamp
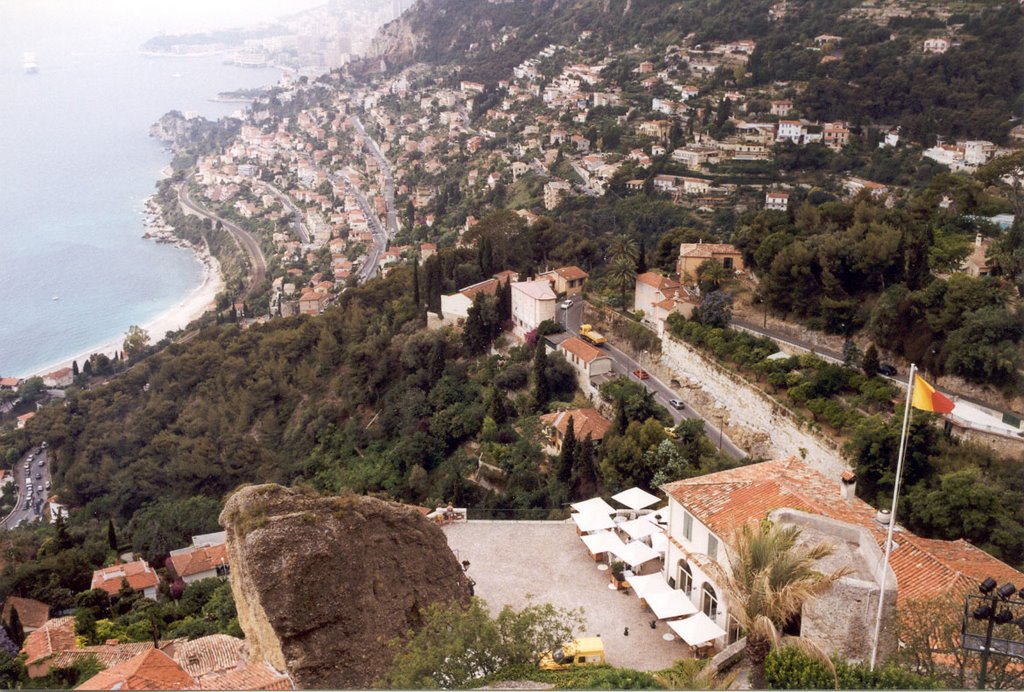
column 996, row 606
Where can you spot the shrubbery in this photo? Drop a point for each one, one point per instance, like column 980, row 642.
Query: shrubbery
column 788, row 668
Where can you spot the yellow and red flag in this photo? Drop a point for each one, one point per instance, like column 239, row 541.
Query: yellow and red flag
column 926, row 398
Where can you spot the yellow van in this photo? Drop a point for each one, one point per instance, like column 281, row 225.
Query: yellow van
column 585, row 651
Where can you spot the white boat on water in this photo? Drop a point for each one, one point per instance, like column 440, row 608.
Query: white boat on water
column 31, row 66
column 55, row 298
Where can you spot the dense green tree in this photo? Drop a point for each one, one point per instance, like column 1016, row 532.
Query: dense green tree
column 15, row 629
column 541, row 388
column 568, row 453
column 870, row 363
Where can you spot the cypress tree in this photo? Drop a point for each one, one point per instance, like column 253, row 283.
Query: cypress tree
column 541, row 389
column 584, row 479
column 568, row 455
column 435, row 370
column 621, row 422
column 475, row 331
column 111, row 535
column 416, row 284
column 870, row 363
column 74, row 368
column 14, row 628
column 641, row 260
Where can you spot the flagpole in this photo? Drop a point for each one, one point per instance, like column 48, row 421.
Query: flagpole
column 892, row 513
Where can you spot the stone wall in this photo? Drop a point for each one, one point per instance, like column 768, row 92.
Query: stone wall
column 753, row 420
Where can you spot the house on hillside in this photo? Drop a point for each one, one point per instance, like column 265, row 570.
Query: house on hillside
column 456, row 305
column 200, row 562
column 776, row 200
column 585, row 421
column 312, row 302
column 140, row 576
column 58, row 379
column 565, row 280
column 976, row 263
column 659, row 296
column 704, row 512
column 24, row 418
column 32, row 614
column 692, row 255
column 532, row 303
column 589, row 362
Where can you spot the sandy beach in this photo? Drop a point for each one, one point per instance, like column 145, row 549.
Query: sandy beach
column 201, row 299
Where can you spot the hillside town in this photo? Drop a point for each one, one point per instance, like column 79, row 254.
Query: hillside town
column 616, row 321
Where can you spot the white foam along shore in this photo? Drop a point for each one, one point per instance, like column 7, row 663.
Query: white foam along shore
column 194, row 305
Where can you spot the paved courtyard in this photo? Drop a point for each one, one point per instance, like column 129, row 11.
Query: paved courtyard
column 510, row 560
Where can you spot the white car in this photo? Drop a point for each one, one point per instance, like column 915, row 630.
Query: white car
column 567, row 304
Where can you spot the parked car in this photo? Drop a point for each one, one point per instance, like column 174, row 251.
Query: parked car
column 39, row 475
column 566, row 304
column 676, row 404
column 43, row 445
column 887, row 370
column 641, row 374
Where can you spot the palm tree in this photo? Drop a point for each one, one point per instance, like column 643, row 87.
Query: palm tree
column 711, row 275
column 769, row 579
column 623, row 252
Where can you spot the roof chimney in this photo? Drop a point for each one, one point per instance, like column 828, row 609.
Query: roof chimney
column 882, row 517
column 848, row 486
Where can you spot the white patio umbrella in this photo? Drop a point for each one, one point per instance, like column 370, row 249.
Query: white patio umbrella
column 697, row 629
column 659, row 541
column 635, row 553
column 590, row 521
column 601, row 542
column 635, row 498
column 641, row 527
column 671, row 604
column 593, row 505
column 649, row 584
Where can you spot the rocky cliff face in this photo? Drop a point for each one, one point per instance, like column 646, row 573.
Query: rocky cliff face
column 322, row 584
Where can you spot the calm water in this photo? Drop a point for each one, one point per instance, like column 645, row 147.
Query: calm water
column 76, row 163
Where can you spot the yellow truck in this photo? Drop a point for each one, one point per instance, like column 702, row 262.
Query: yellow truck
column 585, row 651
column 588, row 333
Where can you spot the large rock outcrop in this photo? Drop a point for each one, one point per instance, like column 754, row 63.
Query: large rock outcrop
column 323, row 583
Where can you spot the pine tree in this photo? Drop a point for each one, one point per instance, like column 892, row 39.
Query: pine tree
column 14, row 628
column 111, row 535
column 568, row 454
column 541, row 389
column 870, row 362
column 494, row 405
column 87, row 368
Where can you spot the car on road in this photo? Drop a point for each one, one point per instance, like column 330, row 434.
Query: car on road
column 43, row 445
column 42, row 462
column 39, row 475
column 676, row 404
column 641, row 374
column 47, row 485
column 566, row 304
column 887, row 370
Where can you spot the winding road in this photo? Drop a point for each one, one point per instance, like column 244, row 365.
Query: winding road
column 245, row 240
column 624, row 364
column 300, row 227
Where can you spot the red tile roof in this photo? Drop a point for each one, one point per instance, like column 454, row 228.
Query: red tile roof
column 108, row 655
column 584, row 421
column 150, row 670
column 924, row 568
column 139, row 574
column 200, row 559
column 581, row 349
column 213, row 654
column 56, row 635
column 255, row 676
column 31, row 613
column 658, row 281
column 488, row 287
column 571, row 273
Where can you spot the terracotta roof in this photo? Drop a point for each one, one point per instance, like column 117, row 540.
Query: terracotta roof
column 139, row 574
column 56, row 635
column 31, row 613
column 199, row 559
column 255, row 676
column 150, row 670
column 571, row 273
column 107, row 654
column 213, row 654
column 488, row 287
column 706, row 249
column 581, row 349
column 584, row 421
column 924, row 568
column 657, row 281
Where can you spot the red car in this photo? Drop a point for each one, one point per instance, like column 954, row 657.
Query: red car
column 641, row 374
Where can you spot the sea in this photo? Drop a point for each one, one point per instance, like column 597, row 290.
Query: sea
column 77, row 163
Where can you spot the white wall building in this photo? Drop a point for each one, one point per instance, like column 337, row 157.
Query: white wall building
column 532, row 303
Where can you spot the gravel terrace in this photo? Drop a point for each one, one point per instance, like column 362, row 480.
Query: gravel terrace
column 511, row 560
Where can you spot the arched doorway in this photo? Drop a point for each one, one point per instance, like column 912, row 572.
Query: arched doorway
column 709, row 601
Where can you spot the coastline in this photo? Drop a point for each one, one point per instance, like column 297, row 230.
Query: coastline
column 199, row 300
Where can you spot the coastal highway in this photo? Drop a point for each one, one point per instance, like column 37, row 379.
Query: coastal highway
column 300, row 227
column 29, row 507
column 245, row 240
column 570, row 319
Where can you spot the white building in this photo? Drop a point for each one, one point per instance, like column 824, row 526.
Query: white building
column 532, row 303
column 588, row 362
column 778, row 201
column 456, row 306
